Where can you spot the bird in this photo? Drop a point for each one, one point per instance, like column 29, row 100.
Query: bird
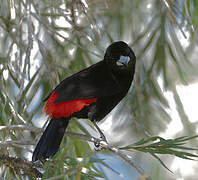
column 90, row 93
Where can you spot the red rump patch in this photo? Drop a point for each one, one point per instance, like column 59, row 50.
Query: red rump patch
column 65, row 109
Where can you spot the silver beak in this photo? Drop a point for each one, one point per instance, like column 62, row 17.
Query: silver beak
column 124, row 60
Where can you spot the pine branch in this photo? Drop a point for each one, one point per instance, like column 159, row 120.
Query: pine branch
column 21, row 166
column 154, row 145
column 102, row 143
column 158, row 145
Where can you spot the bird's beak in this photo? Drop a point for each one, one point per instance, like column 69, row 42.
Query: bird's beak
column 124, row 60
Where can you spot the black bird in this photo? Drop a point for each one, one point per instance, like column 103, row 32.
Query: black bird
column 91, row 93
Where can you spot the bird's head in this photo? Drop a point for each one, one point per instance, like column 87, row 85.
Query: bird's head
column 120, row 58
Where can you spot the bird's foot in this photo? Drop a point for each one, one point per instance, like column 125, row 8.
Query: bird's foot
column 97, row 143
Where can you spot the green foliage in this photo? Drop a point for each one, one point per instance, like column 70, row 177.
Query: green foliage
column 163, row 146
column 71, row 168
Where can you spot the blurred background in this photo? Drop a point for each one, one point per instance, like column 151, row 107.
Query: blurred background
column 43, row 42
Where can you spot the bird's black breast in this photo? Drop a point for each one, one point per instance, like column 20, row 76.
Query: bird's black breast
column 98, row 110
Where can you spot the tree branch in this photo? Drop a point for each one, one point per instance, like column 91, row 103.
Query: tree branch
column 21, row 128
column 21, row 166
column 102, row 143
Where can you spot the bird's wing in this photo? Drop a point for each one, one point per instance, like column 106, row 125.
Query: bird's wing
column 93, row 82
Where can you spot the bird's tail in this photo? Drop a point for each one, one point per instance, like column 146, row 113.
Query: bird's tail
column 50, row 140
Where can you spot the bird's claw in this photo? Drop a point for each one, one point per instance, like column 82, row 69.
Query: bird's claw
column 103, row 138
column 97, row 143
